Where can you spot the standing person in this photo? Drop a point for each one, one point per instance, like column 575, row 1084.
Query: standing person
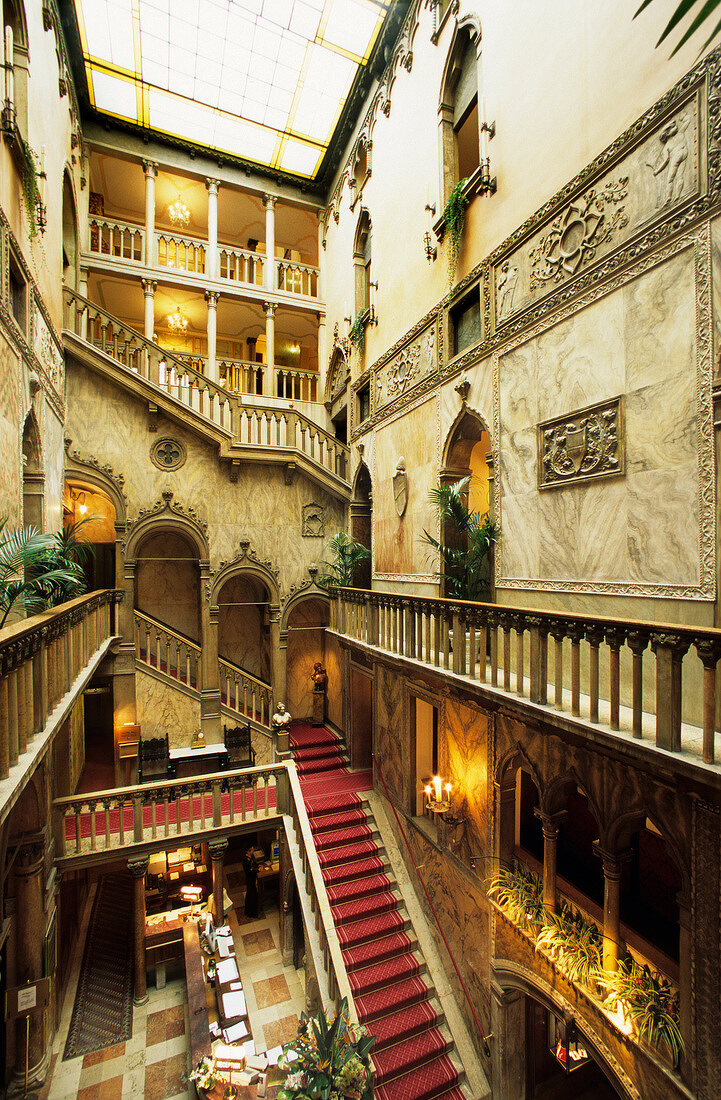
column 251, row 884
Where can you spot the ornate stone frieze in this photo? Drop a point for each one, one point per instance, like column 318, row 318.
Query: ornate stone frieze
column 313, row 521
column 166, row 505
column 94, row 463
column 582, row 446
column 168, row 454
column 401, row 373
column 246, row 553
column 47, row 351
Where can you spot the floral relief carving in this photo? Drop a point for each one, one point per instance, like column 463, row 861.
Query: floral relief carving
column 411, row 364
column 574, row 236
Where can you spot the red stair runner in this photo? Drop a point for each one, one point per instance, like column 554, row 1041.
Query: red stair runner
column 411, row 1053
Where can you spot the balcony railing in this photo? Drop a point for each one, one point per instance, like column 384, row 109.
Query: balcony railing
column 242, row 376
column 245, row 694
column 507, row 648
column 40, row 659
column 113, row 239
column 161, row 648
column 252, row 426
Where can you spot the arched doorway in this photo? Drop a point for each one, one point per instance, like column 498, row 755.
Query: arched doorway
column 468, row 455
column 361, row 519
column 167, row 582
column 89, row 507
column 559, row 1060
column 33, row 475
column 244, row 625
column 307, row 621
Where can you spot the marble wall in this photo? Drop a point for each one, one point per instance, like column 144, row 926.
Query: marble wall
column 163, row 709
column 11, row 497
column 392, row 735
column 306, row 645
column 243, row 631
column 335, row 667
column 167, row 583
column 642, row 529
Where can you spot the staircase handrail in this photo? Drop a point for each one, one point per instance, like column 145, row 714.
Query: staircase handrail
column 295, row 416
column 481, row 1032
column 158, row 625
column 244, row 672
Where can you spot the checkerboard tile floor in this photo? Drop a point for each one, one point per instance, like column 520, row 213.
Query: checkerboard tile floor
column 155, row 1062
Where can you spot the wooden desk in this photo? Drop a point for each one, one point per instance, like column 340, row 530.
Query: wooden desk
column 200, row 1039
column 187, row 761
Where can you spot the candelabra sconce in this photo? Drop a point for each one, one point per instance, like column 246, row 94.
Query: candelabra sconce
column 8, row 119
column 430, row 249
column 487, row 183
column 436, row 803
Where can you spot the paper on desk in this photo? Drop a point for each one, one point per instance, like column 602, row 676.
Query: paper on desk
column 233, row 1005
column 236, row 987
column 225, row 948
column 227, row 971
column 224, row 930
column 234, row 1033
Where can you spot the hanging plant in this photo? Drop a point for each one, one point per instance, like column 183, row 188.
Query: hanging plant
column 31, row 192
column 454, row 215
column 519, row 894
column 357, row 334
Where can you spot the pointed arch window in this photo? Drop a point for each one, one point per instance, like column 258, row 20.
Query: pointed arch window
column 458, row 114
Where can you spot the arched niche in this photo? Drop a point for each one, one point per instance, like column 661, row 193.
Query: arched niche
column 14, row 16
column 33, row 475
column 167, row 579
column 467, row 454
column 361, row 519
column 362, row 255
column 243, row 603
column 90, row 509
column 305, row 624
column 71, row 253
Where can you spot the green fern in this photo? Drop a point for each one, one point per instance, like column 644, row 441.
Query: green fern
column 454, row 214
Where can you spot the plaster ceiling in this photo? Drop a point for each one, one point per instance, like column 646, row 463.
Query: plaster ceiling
column 265, row 80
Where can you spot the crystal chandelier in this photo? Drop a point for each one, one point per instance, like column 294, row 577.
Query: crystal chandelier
column 178, row 212
column 178, row 320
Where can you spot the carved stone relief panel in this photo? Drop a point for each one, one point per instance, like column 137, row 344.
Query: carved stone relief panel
column 582, row 446
column 409, row 366
column 655, row 176
column 47, row 351
column 313, row 521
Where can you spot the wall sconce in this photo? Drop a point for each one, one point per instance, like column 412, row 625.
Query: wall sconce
column 430, row 248
column 487, row 184
column 78, row 498
column 435, row 802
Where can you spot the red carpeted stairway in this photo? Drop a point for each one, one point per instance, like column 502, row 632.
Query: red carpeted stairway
column 412, row 1053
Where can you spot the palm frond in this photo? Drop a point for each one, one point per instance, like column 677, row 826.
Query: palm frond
column 683, row 9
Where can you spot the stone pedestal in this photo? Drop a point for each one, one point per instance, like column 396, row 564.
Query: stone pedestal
column 318, row 717
column 30, row 929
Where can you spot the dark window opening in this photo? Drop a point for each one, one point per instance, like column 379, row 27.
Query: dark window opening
column 530, row 833
column 467, row 142
column 18, row 295
column 465, row 318
column 340, row 426
column 364, row 402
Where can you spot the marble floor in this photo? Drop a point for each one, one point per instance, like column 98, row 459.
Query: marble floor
column 155, row 1061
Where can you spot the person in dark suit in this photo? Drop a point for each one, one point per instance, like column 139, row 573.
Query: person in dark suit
column 250, row 866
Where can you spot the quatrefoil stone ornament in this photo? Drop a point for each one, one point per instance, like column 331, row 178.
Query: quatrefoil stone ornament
column 168, row 454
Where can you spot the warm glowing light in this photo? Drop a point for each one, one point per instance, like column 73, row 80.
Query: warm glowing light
column 178, row 320
column 83, row 509
column 447, row 788
column 178, row 213
column 437, row 785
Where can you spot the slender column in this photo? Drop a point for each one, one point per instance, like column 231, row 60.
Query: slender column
column 269, row 281
column 149, row 288
column 322, row 350
column 137, row 868
column 210, row 679
column 669, row 650
column 321, row 257
column 709, row 653
column 269, row 372
column 212, row 299
column 83, row 289
column 549, row 824
column 151, row 171
column 29, row 959
column 211, row 267
column 612, row 867
column 278, row 656
column 217, row 855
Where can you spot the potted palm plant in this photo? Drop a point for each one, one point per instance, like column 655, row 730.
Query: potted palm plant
column 342, row 556
column 465, row 551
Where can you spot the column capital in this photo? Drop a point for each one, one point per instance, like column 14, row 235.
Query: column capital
column 138, row 867
column 217, row 848
column 550, row 822
column 320, row 318
column 212, row 185
column 269, row 201
column 31, row 858
column 612, row 861
column 151, row 168
column 211, row 297
column 149, row 287
column 270, row 308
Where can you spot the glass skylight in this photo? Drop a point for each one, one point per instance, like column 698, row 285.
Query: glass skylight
column 265, row 80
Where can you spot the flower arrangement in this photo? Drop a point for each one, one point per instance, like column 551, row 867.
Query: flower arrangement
column 204, row 1073
column 327, row 1060
column 575, row 944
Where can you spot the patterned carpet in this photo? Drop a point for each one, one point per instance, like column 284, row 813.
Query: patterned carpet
column 103, row 1010
column 391, row 998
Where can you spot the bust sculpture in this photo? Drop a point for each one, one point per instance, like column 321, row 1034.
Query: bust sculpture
column 281, row 718
column 319, row 677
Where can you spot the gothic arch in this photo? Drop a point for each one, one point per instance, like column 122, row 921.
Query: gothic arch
column 559, row 789
column 621, row 829
column 70, row 246
column 516, row 758
column 77, row 471
column 33, row 474
column 458, row 102
column 312, row 592
column 166, row 517
column 466, row 419
column 251, row 567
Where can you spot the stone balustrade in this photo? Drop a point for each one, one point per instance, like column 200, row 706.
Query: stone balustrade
column 116, row 240
column 526, row 653
column 161, row 648
column 245, row 694
column 40, row 659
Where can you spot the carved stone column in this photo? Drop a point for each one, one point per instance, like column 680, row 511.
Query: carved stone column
column 269, row 272
column 210, row 679
column 287, row 887
column 217, row 849
column 549, row 824
column 612, row 870
column 508, row 1047
column 30, row 927
column 212, row 265
column 151, row 171
column 124, row 698
column 269, row 372
column 211, row 298
column 138, row 868
column 149, row 288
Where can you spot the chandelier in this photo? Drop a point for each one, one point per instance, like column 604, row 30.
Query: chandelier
column 178, row 212
column 178, row 320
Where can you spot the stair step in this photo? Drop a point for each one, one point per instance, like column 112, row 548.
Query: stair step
column 357, row 888
column 312, row 752
column 361, row 930
column 392, row 999
column 425, row 1082
column 338, row 873
column 408, row 1054
column 376, row 950
column 361, row 908
column 382, row 974
column 397, row 1026
column 348, row 853
column 345, row 820
column 327, row 764
column 336, row 838
column 324, row 804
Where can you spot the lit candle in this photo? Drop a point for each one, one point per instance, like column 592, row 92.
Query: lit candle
column 437, row 785
column 427, row 793
column 9, row 73
column 447, row 789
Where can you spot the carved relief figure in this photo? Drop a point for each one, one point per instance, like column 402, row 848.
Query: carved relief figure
column 400, row 487
column 313, row 521
column 319, row 677
column 669, row 168
column 506, row 289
